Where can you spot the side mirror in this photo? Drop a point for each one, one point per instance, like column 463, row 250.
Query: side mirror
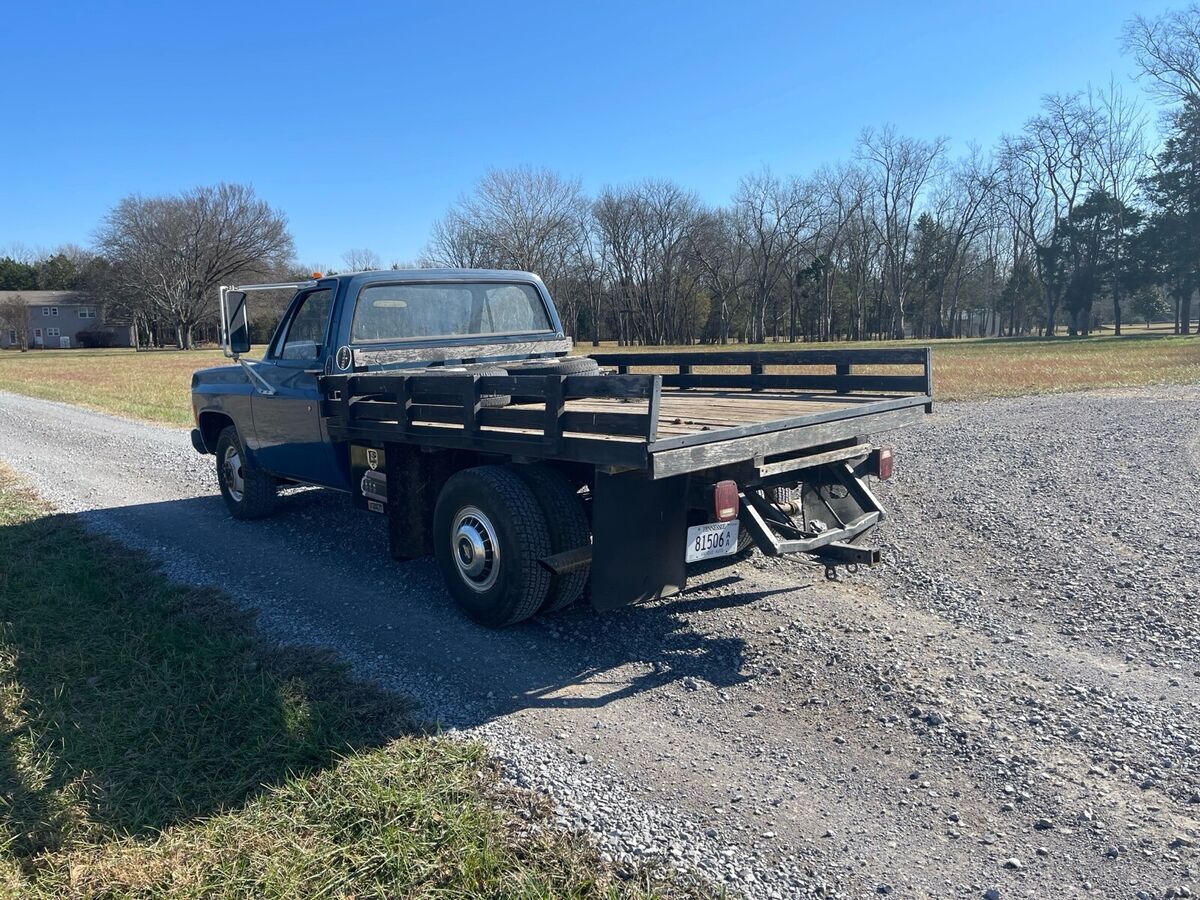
column 234, row 324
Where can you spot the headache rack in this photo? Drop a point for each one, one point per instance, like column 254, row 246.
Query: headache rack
column 707, row 409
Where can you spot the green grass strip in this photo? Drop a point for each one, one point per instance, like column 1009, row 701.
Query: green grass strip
column 154, row 745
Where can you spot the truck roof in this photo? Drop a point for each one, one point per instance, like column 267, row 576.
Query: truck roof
column 442, row 275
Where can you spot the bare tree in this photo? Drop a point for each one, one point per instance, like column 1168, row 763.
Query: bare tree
column 666, row 219
column 457, row 243
column 171, row 253
column 587, row 267
column 361, row 259
column 960, row 204
column 646, row 234
column 615, row 213
column 901, row 168
column 14, row 316
column 1119, row 159
column 1167, row 49
column 520, row 218
column 721, row 261
column 842, row 192
column 770, row 215
column 22, row 253
column 1045, row 176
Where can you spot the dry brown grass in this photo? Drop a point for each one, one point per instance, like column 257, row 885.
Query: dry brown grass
column 155, row 385
column 152, row 385
column 965, row 371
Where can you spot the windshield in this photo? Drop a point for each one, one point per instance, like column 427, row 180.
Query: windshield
column 403, row 312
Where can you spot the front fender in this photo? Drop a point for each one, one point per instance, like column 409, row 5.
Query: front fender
column 220, row 397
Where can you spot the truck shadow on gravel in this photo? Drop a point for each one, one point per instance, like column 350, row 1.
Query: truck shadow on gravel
column 573, row 659
column 321, row 571
column 624, row 653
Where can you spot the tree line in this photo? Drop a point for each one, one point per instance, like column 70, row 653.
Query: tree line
column 1073, row 221
column 1069, row 222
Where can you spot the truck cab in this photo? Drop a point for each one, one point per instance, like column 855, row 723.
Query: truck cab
column 378, row 321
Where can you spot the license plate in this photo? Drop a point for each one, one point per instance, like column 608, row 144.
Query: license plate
column 714, row 539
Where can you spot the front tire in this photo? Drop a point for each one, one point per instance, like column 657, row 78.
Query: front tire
column 488, row 534
column 249, row 493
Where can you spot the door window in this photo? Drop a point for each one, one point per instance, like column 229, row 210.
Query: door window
column 306, row 332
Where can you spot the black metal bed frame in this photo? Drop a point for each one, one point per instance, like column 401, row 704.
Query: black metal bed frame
column 844, row 380
column 450, row 411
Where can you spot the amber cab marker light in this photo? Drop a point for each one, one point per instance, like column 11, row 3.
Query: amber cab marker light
column 317, row 275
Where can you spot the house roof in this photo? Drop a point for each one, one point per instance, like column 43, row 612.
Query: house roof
column 49, row 298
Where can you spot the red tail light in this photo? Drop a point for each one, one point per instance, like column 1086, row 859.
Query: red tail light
column 725, row 500
column 881, row 463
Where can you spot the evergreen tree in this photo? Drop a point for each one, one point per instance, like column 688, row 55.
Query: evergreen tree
column 1173, row 237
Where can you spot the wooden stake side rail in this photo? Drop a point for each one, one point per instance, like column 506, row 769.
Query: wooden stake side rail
column 844, row 379
column 626, row 422
column 448, row 411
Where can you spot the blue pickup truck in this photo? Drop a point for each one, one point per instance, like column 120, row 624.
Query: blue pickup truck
column 448, row 401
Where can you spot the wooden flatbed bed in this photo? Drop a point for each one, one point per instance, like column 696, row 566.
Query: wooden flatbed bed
column 663, row 423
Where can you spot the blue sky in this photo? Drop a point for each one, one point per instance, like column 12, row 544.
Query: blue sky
column 364, row 121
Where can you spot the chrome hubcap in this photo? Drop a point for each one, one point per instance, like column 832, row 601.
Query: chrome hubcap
column 476, row 552
column 235, row 479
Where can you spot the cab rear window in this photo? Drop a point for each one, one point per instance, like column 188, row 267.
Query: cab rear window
column 406, row 312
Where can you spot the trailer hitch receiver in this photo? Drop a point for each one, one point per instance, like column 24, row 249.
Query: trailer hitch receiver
column 834, row 511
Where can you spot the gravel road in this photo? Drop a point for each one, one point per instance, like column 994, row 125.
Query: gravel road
column 1010, row 707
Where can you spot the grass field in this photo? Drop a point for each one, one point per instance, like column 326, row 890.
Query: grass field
column 154, row 746
column 154, row 385
column 151, row 385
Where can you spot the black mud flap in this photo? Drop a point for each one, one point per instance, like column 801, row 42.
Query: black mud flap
column 639, row 529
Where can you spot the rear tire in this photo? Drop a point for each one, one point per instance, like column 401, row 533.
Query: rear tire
column 568, row 526
column 488, row 534
column 248, row 492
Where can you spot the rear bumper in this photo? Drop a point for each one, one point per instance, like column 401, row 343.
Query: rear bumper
column 198, row 441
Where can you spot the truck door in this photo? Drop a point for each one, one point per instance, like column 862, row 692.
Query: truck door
column 289, row 438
